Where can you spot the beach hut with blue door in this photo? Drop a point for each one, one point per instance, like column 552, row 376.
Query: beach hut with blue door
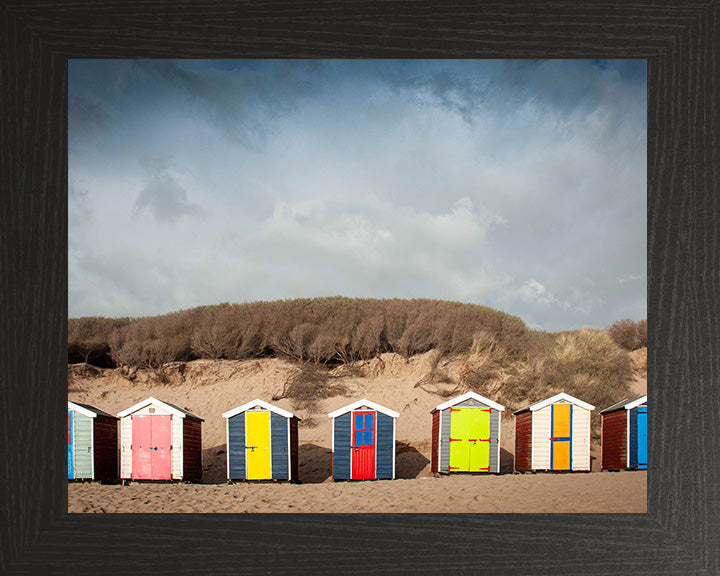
column 553, row 435
column 624, row 435
column 363, row 441
column 262, row 442
column 92, row 443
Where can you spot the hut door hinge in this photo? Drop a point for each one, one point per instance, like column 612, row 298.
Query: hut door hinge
column 171, row 447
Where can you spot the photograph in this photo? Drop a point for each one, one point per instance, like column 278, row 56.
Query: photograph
column 357, row 286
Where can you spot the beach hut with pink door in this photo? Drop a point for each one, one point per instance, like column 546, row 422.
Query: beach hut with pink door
column 160, row 441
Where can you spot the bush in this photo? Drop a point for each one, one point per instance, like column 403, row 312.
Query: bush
column 629, row 334
column 327, row 331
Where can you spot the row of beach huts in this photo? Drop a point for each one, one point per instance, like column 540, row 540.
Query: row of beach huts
column 160, row 441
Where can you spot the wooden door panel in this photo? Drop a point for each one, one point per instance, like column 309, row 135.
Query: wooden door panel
column 642, row 439
column 141, row 443
column 561, row 437
column 479, row 440
column 161, row 452
column 363, row 445
column 460, row 423
column 71, row 459
column 257, row 443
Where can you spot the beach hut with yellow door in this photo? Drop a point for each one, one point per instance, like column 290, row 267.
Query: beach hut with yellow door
column 553, row 434
column 262, row 442
column 466, row 435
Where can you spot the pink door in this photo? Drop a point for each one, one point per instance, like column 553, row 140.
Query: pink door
column 151, row 447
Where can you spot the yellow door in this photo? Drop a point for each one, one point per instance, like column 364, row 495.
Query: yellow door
column 460, row 424
column 257, row 445
column 561, row 439
column 479, row 440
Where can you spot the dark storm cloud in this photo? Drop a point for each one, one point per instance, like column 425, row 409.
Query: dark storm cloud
column 86, row 117
column 515, row 184
column 165, row 198
column 241, row 104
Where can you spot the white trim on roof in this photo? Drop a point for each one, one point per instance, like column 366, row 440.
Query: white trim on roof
column 562, row 396
column 364, row 402
column 257, row 402
column 639, row 402
column 140, row 405
column 81, row 409
column 467, row 396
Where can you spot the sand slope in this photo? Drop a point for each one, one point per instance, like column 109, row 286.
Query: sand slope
column 210, row 387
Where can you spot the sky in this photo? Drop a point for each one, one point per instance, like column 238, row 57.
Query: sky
column 515, row 184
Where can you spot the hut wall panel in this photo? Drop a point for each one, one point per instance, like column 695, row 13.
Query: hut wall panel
column 106, row 453
column 156, row 410
column 176, row 432
column 341, row 449
column 294, row 464
column 435, row 441
column 279, row 446
column 495, row 441
column 541, row 438
column 192, row 449
column 125, row 444
column 236, row 447
column 445, row 441
column 385, row 446
column 614, row 440
column 633, row 439
column 580, row 438
column 523, row 440
column 82, row 444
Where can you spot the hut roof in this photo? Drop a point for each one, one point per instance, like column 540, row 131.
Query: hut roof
column 175, row 410
column 88, row 410
column 364, row 402
column 552, row 399
column 262, row 404
column 467, row 396
column 628, row 404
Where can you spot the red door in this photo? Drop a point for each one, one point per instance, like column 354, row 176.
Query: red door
column 151, row 447
column 363, row 446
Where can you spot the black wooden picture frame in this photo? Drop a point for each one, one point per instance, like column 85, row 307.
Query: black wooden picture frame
column 680, row 534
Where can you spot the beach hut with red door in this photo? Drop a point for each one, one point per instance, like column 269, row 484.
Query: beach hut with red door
column 363, row 441
column 624, row 435
column 553, row 435
column 160, row 441
column 92, row 443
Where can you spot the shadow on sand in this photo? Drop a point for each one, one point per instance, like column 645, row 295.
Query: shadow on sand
column 315, row 463
column 408, row 461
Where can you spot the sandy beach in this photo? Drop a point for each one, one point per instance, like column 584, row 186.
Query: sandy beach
column 208, row 388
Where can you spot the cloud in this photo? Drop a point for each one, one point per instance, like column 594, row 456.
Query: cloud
column 520, row 185
column 165, row 198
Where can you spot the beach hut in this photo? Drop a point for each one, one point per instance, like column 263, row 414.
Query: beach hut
column 363, row 441
column 624, row 435
column 466, row 435
column 159, row 441
column 262, row 442
column 92, row 443
column 553, row 434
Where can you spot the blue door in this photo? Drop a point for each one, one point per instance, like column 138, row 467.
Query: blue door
column 642, row 437
column 71, row 467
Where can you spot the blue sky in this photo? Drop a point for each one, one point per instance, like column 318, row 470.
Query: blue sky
column 519, row 185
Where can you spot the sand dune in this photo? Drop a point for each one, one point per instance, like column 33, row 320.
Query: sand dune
column 210, row 387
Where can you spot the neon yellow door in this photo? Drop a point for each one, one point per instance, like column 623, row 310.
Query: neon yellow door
column 257, row 445
column 479, row 440
column 460, row 420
